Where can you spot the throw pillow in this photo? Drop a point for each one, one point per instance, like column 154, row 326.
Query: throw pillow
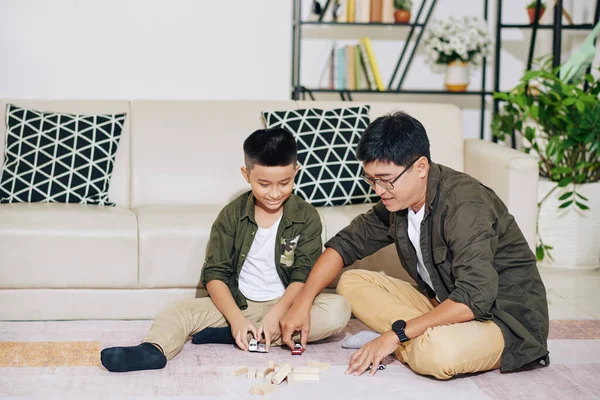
column 329, row 171
column 58, row 158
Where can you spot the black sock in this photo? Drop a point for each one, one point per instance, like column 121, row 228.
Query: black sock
column 134, row 358
column 213, row 335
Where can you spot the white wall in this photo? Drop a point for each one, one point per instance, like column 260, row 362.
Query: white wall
column 216, row 49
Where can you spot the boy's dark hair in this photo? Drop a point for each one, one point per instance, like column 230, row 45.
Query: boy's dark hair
column 270, row 147
column 397, row 138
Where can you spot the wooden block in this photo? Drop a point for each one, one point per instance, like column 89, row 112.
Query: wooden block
column 317, row 364
column 238, row 371
column 281, row 374
column 261, row 372
column 306, row 370
column 262, row 389
column 271, row 364
column 269, row 377
column 251, row 372
column 305, row 377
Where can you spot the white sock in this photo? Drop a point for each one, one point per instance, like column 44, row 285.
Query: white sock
column 360, row 339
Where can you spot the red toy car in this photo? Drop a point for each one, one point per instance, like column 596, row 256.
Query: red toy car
column 297, row 350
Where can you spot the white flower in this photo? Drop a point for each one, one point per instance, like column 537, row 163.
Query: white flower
column 465, row 37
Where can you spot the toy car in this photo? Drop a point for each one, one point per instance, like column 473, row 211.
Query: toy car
column 262, row 348
column 297, row 350
column 379, row 368
column 253, row 345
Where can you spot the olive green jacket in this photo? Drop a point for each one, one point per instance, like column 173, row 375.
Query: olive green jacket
column 475, row 254
column 297, row 247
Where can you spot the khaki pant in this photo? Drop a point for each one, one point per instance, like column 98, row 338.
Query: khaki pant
column 172, row 326
column 443, row 351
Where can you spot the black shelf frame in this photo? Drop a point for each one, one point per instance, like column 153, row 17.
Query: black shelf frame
column 557, row 27
column 417, row 27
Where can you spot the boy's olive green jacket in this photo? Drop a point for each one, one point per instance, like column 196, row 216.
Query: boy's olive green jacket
column 475, row 254
column 297, row 246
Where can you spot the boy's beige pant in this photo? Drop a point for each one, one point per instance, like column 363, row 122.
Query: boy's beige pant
column 172, row 326
column 444, row 351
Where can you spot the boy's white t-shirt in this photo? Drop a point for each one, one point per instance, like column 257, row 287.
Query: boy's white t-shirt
column 258, row 278
column 414, row 234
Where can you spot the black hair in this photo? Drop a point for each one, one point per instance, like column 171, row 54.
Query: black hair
column 397, row 138
column 270, row 147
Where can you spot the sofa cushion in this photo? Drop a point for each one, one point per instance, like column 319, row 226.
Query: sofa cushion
column 54, row 157
column 173, row 242
column 327, row 139
column 46, row 245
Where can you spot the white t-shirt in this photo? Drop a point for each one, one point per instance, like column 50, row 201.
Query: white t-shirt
column 414, row 234
column 258, row 279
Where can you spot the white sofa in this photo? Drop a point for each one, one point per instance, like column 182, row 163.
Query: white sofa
column 177, row 165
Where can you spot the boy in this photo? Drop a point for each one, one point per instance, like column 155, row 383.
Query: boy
column 262, row 247
column 481, row 303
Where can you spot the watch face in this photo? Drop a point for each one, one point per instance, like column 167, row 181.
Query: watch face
column 399, row 325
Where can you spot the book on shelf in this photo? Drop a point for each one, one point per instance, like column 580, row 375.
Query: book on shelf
column 360, row 11
column 353, row 67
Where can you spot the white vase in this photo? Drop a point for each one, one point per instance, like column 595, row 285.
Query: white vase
column 457, row 76
column 574, row 233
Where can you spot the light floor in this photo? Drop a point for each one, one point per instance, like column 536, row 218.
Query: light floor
column 572, row 294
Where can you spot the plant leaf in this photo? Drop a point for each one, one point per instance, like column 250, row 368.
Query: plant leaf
column 582, row 197
column 582, row 206
column 539, row 253
column 565, row 196
column 565, row 181
column 580, row 106
column 566, row 204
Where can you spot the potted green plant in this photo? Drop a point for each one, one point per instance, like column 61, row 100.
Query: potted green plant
column 559, row 123
column 402, row 13
column 531, row 11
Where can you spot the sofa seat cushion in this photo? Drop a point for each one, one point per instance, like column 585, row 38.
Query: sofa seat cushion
column 51, row 245
column 173, row 242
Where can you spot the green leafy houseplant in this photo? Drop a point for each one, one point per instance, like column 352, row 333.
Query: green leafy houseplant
column 560, row 123
column 403, row 5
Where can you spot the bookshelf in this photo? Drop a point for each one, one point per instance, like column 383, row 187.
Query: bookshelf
column 416, row 30
column 414, row 35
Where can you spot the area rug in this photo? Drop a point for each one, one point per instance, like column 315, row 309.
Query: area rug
column 60, row 359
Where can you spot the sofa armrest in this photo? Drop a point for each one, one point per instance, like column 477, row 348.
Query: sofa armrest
column 512, row 174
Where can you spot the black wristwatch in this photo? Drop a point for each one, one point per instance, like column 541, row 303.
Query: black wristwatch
column 398, row 328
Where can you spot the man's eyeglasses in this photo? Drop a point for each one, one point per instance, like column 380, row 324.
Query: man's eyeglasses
column 387, row 184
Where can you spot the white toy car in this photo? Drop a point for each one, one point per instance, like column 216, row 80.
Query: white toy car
column 253, row 345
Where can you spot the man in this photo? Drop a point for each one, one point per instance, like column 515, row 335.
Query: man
column 480, row 303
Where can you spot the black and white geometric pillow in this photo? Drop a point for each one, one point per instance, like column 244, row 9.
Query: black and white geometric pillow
column 58, row 158
column 329, row 171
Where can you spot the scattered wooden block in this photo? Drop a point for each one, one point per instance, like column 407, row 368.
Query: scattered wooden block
column 280, row 375
column 262, row 389
column 269, row 377
column 316, row 364
column 271, row 364
column 251, row 372
column 261, row 372
column 238, row 371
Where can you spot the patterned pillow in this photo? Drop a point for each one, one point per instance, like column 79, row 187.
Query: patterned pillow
column 58, row 158
column 330, row 173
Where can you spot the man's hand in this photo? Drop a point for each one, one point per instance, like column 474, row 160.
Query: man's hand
column 240, row 327
column 269, row 326
column 296, row 319
column 372, row 353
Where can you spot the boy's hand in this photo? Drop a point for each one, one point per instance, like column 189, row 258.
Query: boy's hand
column 296, row 319
column 240, row 327
column 269, row 326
